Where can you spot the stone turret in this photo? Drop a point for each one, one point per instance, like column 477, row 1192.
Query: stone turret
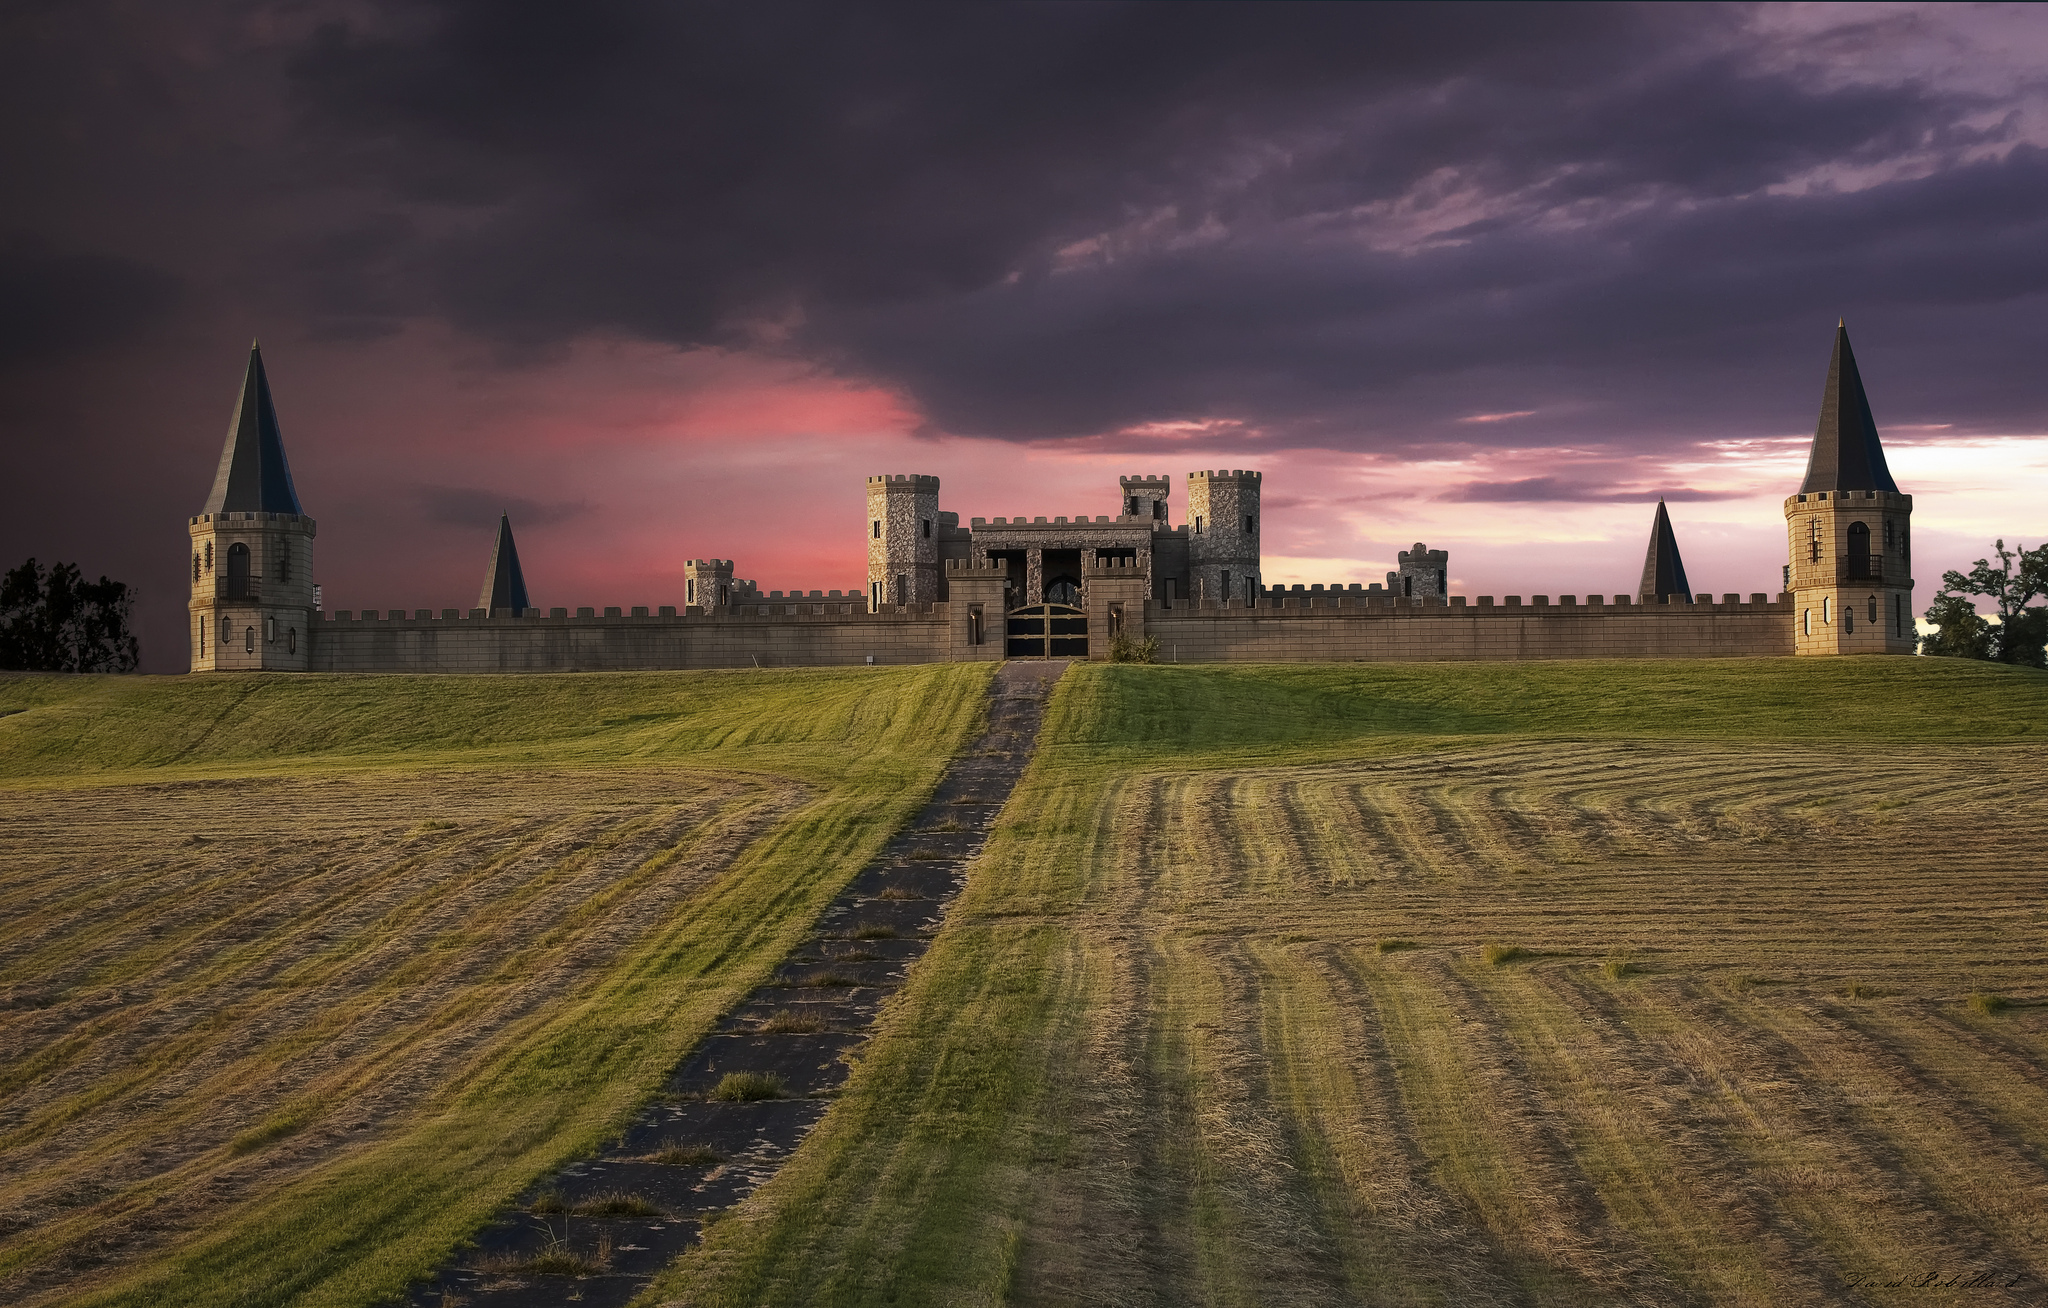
column 1849, row 530
column 1223, row 536
column 903, row 541
column 251, row 604
column 1145, row 497
column 1423, row 573
column 504, row 592
column 708, row 584
column 1663, row 569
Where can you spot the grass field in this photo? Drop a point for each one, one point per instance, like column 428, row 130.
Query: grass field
column 300, row 978
column 1718, row 983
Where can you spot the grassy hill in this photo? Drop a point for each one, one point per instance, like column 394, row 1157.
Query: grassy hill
column 303, row 976
column 1558, row 983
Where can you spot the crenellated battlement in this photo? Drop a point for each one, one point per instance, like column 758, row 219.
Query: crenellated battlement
column 914, row 481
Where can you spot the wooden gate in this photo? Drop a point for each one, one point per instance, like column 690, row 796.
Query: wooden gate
column 1046, row 631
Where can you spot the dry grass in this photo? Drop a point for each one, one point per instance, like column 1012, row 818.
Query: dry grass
column 785, row 1022
column 302, row 978
column 1172, row 1046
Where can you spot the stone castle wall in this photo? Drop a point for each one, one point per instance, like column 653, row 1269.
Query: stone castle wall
column 1340, row 626
column 1301, row 626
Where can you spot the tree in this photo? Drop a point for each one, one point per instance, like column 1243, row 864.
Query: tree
column 2021, row 633
column 60, row 622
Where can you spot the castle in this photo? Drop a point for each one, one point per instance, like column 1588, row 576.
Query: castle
column 1059, row 588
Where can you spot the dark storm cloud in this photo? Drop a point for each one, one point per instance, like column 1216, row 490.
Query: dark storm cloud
column 54, row 304
column 470, row 506
column 1058, row 220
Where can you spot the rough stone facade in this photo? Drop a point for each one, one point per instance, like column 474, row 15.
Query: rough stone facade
column 903, row 541
column 1223, row 538
column 1424, row 573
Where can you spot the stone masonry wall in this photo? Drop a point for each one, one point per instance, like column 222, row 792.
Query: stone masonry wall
column 1348, row 628
column 743, row 637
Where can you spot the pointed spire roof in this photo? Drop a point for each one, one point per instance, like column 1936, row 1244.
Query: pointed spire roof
column 253, row 475
column 1846, row 452
column 504, row 584
column 1663, row 570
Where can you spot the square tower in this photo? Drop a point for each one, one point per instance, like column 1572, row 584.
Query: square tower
column 251, row 603
column 903, row 541
column 1223, row 536
column 1849, row 531
column 1145, row 497
column 1423, row 573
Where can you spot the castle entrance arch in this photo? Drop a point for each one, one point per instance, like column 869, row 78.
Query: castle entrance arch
column 1046, row 631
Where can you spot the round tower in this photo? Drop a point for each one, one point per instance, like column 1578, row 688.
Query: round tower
column 903, row 541
column 251, row 604
column 1223, row 537
column 1849, row 531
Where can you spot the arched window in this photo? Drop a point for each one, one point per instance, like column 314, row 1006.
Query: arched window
column 195, row 568
column 202, row 638
column 1888, row 535
column 291, row 640
column 284, row 560
column 209, row 556
column 1859, row 550
column 248, row 640
column 238, row 571
column 1827, row 604
column 1806, row 622
column 227, row 631
column 1849, row 621
column 1873, row 610
column 1815, row 534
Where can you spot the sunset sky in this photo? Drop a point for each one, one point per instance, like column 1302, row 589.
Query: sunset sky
column 667, row 281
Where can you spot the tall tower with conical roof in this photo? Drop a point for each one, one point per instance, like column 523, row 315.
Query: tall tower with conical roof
column 252, row 549
column 504, row 593
column 1849, row 530
column 1663, row 569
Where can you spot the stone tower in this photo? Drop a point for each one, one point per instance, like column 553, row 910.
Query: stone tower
column 1849, row 531
column 1223, row 536
column 1423, row 573
column 504, row 592
column 903, row 541
column 252, row 549
column 1663, row 569
column 708, row 583
column 1145, row 497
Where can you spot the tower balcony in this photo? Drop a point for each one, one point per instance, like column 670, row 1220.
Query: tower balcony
column 248, row 589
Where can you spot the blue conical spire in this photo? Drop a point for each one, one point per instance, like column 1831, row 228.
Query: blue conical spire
column 253, row 475
column 1846, row 452
column 1663, row 570
column 504, row 583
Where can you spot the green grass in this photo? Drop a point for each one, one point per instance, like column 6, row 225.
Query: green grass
column 355, row 1228
column 956, row 1158
column 747, row 1087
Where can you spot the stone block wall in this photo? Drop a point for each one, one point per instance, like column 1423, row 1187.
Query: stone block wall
column 1335, row 627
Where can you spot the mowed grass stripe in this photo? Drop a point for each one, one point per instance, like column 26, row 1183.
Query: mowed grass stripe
column 379, row 1030
column 1689, row 821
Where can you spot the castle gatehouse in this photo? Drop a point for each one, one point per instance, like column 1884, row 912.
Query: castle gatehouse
column 1059, row 587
